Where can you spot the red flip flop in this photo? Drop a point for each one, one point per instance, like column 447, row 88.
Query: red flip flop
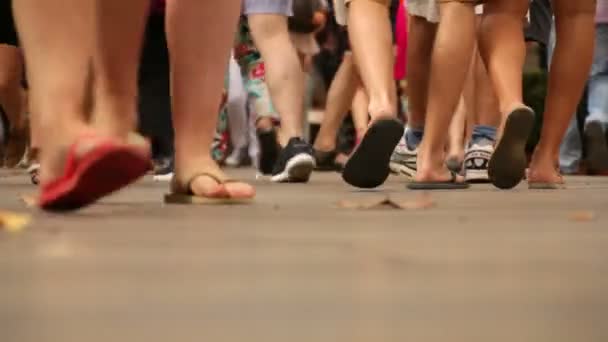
column 107, row 167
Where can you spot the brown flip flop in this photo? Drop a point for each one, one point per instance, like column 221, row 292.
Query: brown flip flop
column 181, row 193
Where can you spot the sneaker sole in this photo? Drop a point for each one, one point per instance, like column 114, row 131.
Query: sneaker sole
column 476, row 176
column 507, row 167
column 298, row 170
column 597, row 158
column 399, row 169
column 368, row 167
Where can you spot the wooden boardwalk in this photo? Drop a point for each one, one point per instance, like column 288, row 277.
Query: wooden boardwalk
column 479, row 265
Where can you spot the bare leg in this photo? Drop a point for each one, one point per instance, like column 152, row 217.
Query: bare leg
column 360, row 113
column 197, row 75
column 370, row 35
column 12, row 102
column 339, row 100
column 53, row 33
column 420, row 46
column 116, row 59
column 485, row 102
column 455, row 147
column 569, row 72
column 11, row 92
column 284, row 74
column 503, row 50
column 450, row 57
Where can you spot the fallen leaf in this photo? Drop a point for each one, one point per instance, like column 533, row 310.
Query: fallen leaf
column 13, row 222
column 582, row 216
column 30, row 201
column 363, row 203
column 421, row 202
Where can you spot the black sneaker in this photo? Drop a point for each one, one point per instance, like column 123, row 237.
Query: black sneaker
column 269, row 150
column 163, row 169
column 597, row 149
column 295, row 163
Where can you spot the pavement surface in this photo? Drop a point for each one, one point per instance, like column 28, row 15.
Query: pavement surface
column 477, row 265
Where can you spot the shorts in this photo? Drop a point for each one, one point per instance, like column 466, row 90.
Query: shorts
column 8, row 33
column 540, row 18
column 429, row 9
column 253, row 71
column 268, row 7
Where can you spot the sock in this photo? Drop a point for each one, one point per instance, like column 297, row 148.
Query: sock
column 413, row 137
column 483, row 132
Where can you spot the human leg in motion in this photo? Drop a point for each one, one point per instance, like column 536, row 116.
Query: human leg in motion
column 370, row 34
column 339, row 100
column 453, row 57
column 596, row 123
column 196, row 69
column 421, row 38
column 12, row 103
column 76, row 160
column 285, row 80
column 575, row 24
column 503, row 49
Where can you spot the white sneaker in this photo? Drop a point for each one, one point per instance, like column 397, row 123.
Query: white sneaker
column 163, row 178
column 403, row 161
column 476, row 159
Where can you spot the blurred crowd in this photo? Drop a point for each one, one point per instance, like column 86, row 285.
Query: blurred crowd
column 430, row 90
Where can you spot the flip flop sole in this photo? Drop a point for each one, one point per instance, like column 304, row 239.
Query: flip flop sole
column 98, row 174
column 437, row 186
column 546, row 186
column 200, row 200
column 507, row 167
column 368, row 167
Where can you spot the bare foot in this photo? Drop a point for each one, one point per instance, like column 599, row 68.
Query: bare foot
column 434, row 171
column 219, row 185
column 544, row 169
column 441, row 175
column 53, row 155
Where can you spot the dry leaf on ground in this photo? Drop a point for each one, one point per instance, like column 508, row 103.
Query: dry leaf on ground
column 363, row 202
column 420, row 202
column 582, row 216
column 13, row 222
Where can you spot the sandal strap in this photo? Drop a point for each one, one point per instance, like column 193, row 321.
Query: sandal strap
column 180, row 187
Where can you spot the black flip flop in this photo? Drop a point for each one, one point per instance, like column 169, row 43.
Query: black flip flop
column 507, row 167
column 368, row 165
column 449, row 185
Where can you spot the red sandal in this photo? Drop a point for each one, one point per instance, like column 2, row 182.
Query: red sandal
column 107, row 167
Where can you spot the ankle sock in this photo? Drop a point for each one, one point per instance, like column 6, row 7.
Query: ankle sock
column 413, row 137
column 483, row 132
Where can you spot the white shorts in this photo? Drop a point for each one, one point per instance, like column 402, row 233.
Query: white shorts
column 427, row 9
column 340, row 11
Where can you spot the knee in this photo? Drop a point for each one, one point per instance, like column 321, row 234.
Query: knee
column 268, row 27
